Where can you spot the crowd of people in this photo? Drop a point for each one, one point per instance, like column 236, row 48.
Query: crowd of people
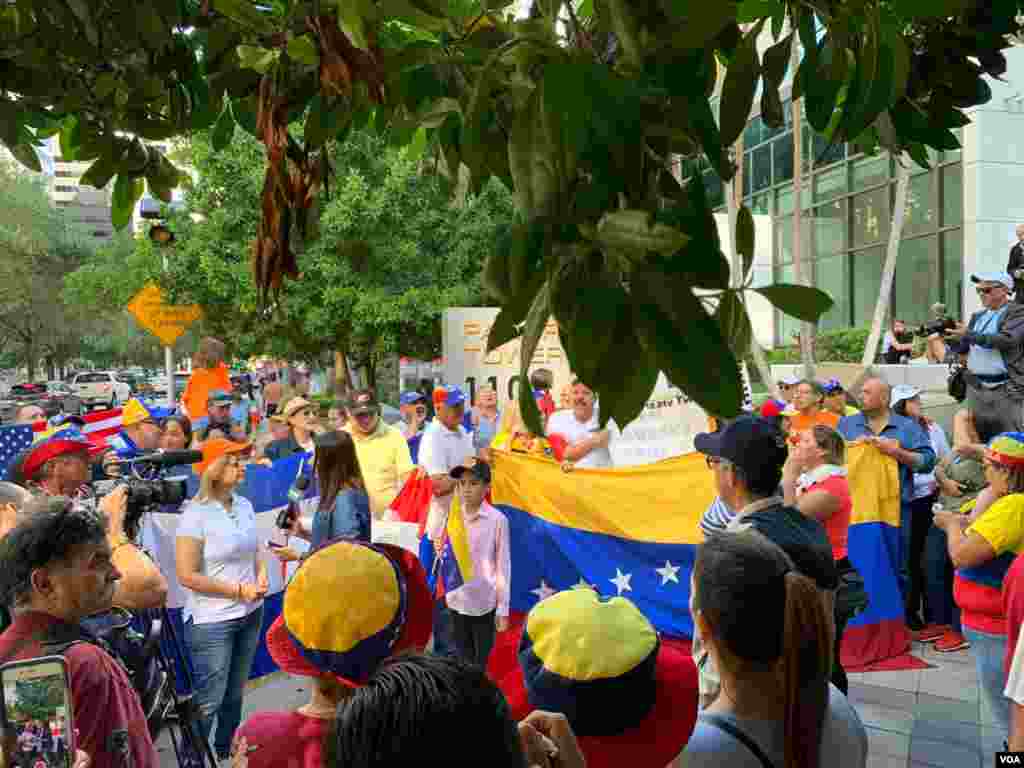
column 399, row 666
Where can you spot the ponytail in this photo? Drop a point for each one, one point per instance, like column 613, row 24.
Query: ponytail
column 805, row 670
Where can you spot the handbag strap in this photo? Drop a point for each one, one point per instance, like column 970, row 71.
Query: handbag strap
column 724, row 724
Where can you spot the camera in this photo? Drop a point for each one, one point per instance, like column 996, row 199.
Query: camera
column 939, row 326
column 148, row 488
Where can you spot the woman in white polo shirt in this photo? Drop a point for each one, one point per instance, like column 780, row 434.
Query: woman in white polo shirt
column 219, row 565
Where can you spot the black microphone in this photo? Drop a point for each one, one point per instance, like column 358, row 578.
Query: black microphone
column 296, row 493
column 170, row 458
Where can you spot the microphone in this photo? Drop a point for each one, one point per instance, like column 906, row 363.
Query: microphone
column 169, row 458
column 296, row 493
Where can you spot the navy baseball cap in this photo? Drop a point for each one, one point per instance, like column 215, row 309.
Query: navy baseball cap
column 410, row 397
column 481, row 470
column 749, row 442
column 450, row 396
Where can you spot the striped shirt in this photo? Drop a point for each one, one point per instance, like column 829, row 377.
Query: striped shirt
column 717, row 517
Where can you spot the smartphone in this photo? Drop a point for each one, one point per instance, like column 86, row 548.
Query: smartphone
column 38, row 723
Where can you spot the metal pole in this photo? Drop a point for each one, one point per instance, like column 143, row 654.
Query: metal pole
column 169, row 359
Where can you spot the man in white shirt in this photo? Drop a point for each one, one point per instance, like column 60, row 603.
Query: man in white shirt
column 588, row 444
column 445, row 445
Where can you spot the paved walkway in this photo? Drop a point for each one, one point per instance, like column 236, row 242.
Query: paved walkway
column 929, row 718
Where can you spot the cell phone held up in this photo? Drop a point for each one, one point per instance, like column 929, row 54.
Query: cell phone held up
column 38, row 722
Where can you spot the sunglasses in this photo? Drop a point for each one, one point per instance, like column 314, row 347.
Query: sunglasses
column 987, row 290
column 712, row 461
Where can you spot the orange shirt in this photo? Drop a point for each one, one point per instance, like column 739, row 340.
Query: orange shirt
column 802, row 423
column 197, row 390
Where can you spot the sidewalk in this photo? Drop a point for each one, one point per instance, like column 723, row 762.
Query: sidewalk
column 929, row 718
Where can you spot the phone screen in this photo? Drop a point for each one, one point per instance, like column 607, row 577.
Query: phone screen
column 38, row 728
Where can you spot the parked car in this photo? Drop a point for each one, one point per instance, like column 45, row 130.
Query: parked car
column 53, row 397
column 101, row 388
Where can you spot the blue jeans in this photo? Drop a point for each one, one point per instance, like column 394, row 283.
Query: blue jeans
column 988, row 653
column 222, row 654
column 942, row 608
column 443, row 643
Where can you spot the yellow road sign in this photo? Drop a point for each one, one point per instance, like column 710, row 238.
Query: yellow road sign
column 165, row 321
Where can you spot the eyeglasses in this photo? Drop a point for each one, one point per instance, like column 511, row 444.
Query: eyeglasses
column 712, row 461
column 985, row 291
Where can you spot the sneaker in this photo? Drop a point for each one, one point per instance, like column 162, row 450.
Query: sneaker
column 951, row 641
column 931, row 633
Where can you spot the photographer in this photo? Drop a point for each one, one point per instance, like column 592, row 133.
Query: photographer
column 993, row 342
column 140, row 429
column 1015, row 264
column 898, row 344
column 59, row 466
column 55, row 570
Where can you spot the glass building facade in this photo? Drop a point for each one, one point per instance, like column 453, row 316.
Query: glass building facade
column 847, row 205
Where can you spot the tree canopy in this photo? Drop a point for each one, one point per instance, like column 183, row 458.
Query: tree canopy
column 579, row 110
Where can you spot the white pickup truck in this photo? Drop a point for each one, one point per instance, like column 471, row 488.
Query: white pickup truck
column 100, row 388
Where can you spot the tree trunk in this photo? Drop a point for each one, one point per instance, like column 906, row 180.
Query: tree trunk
column 342, row 373
column 889, row 271
column 802, row 271
column 31, row 361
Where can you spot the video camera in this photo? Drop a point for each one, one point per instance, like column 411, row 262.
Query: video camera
column 939, row 326
column 148, row 488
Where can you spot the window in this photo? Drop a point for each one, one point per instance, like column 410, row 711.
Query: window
column 830, row 275
column 782, row 158
column 65, row 174
column 826, row 153
column 65, row 188
column 761, row 203
column 870, row 171
column 93, row 378
column 788, row 326
column 954, row 154
column 916, row 282
column 746, row 174
column 952, row 196
column 829, row 224
column 784, row 240
column 866, row 270
column 952, row 272
column 762, row 168
column 870, row 216
column 830, row 183
column 921, row 214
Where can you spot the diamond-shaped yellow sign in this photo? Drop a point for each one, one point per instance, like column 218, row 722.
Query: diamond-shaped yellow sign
column 165, row 321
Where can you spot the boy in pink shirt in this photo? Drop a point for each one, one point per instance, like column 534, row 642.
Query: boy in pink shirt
column 479, row 608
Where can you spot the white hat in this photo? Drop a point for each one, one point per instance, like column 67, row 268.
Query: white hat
column 902, row 392
column 790, row 380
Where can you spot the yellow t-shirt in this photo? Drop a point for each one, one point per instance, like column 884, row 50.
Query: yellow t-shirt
column 1002, row 524
column 385, row 461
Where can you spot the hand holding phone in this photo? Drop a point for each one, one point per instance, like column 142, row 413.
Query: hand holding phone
column 37, row 712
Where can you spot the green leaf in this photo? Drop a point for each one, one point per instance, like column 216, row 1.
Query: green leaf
column 586, row 305
column 696, row 24
column 106, row 165
column 433, row 115
column 930, row 9
column 753, row 10
column 26, row 155
column 733, row 321
column 151, row 26
column 81, row 10
column 536, row 320
column 631, row 230
column 776, row 60
column 245, row 13
column 745, row 238
column 352, row 23
column 675, row 329
column 70, row 138
column 127, row 191
column 624, row 391
column 303, row 50
column 799, row 301
column 416, row 147
column 163, row 178
column 523, row 248
column 223, row 130
column 259, row 59
column 739, row 87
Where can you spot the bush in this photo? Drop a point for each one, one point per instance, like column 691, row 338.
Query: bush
column 845, row 345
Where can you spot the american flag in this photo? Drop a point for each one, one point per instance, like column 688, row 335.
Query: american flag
column 99, row 425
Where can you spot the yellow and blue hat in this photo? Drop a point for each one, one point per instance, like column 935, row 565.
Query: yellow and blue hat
column 349, row 606
column 1007, row 449
column 631, row 700
column 54, row 442
column 136, row 411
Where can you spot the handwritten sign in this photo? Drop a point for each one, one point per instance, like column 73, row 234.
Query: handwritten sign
column 165, row 321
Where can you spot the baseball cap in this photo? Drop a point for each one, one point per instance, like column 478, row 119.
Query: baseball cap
column 749, row 442
column 59, row 441
column 219, row 397
column 772, row 408
column 295, row 405
column 993, row 277
column 136, row 411
column 449, row 395
column 410, row 397
column 902, row 392
column 833, row 387
column 215, row 448
column 363, row 401
column 481, row 470
column 789, row 381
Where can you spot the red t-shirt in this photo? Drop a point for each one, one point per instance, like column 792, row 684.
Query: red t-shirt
column 1013, row 608
column 283, row 740
column 837, row 527
column 102, row 698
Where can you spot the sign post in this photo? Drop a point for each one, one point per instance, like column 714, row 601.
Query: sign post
column 165, row 321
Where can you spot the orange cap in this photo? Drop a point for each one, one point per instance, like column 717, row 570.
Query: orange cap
column 217, row 447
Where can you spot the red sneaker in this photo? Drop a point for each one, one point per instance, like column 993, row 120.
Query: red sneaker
column 930, row 633
column 951, row 641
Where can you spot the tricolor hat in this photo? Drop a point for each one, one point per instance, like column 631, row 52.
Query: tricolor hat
column 630, row 699
column 1007, row 449
column 136, row 411
column 54, row 442
column 349, row 606
column 772, row 408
